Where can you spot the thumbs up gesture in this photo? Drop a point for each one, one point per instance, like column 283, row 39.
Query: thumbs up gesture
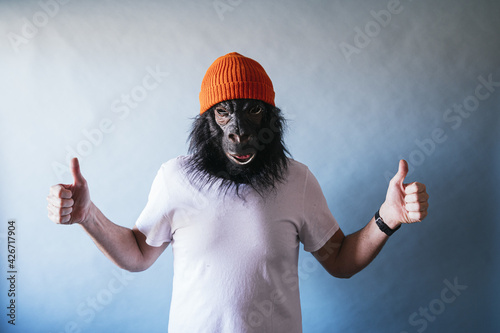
column 404, row 203
column 70, row 203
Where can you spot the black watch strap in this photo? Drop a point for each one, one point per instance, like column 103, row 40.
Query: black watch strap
column 384, row 227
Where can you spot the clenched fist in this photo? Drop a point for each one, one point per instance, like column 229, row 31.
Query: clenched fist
column 404, row 203
column 68, row 204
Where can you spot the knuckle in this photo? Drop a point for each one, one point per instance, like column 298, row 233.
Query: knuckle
column 56, row 189
column 410, row 198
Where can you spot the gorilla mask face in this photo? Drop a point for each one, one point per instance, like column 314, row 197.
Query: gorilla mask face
column 238, row 141
column 240, row 122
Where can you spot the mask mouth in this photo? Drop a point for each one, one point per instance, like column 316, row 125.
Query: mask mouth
column 241, row 159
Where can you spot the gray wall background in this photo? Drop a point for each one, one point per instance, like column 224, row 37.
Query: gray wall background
column 361, row 90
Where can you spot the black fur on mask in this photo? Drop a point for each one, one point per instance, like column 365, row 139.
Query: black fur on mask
column 208, row 163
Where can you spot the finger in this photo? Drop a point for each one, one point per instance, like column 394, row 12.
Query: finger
column 60, row 192
column 402, row 172
column 75, row 170
column 417, row 206
column 415, row 187
column 58, row 202
column 59, row 219
column 62, row 211
column 417, row 216
column 417, row 197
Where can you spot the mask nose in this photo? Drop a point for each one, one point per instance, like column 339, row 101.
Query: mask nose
column 239, row 138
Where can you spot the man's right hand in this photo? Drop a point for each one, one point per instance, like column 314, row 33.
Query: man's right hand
column 70, row 203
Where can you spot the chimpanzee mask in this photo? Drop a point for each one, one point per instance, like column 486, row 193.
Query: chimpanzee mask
column 236, row 142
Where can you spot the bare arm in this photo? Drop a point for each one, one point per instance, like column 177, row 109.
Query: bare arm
column 343, row 256
column 127, row 248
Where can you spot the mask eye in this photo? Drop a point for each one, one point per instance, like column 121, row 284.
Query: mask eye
column 255, row 111
column 222, row 112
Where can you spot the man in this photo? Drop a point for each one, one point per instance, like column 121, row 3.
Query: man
column 235, row 211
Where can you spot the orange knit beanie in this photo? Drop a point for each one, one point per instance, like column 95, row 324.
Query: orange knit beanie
column 234, row 76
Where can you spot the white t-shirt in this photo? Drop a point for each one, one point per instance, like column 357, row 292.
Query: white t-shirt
column 235, row 260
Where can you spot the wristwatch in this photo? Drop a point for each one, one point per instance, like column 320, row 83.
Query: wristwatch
column 384, row 227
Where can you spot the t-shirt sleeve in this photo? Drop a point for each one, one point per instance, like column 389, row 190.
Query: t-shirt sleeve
column 153, row 221
column 319, row 225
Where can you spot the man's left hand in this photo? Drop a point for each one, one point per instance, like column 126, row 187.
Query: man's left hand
column 404, row 203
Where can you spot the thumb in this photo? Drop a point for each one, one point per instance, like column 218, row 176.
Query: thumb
column 75, row 170
column 402, row 172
